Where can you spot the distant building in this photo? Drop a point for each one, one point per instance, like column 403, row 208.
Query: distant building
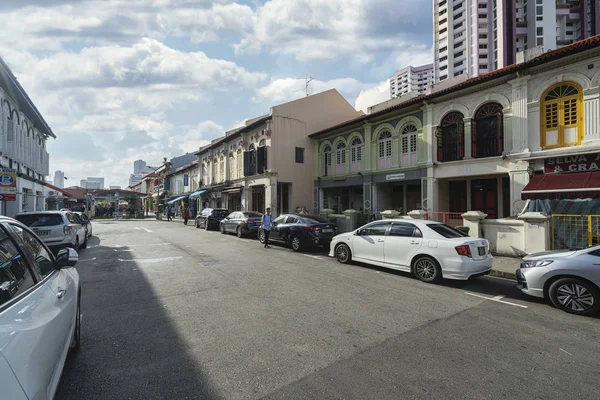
column 138, row 166
column 115, row 187
column 92, row 183
column 411, row 79
column 135, row 178
column 59, row 179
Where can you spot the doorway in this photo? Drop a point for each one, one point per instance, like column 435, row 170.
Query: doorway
column 258, row 199
column 484, row 196
column 283, row 198
column 457, row 191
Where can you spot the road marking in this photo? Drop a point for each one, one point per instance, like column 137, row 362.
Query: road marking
column 496, row 299
column 317, row 257
column 564, row 351
column 151, row 260
column 145, row 229
column 91, row 259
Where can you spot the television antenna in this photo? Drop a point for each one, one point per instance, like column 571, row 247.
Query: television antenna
column 307, row 81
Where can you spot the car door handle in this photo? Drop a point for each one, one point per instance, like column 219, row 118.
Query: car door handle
column 61, row 293
column 380, row 240
column 414, row 242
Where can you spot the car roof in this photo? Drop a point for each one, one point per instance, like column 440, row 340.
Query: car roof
column 418, row 222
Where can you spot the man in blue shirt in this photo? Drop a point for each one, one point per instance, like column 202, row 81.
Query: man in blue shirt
column 266, row 224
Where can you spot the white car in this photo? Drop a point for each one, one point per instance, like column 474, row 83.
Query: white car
column 430, row 250
column 40, row 318
column 58, row 229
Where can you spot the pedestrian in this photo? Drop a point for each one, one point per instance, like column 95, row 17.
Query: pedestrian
column 186, row 215
column 169, row 217
column 266, row 223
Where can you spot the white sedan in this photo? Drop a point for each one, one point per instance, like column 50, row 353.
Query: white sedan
column 40, row 316
column 430, row 250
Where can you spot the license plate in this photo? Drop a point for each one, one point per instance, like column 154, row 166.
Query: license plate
column 327, row 230
column 42, row 233
column 481, row 251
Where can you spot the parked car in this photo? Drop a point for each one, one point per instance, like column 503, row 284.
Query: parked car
column 40, row 314
column 300, row 231
column 430, row 250
column 570, row 279
column 85, row 220
column 241, row 223
column 58, row 229
column 210, row 218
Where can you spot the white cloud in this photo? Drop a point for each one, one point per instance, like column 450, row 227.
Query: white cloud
column 288, row 89
column 325, row 30
column 372, row 96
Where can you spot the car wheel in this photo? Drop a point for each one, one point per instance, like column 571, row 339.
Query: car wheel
column 296, row 244
column 575, row 296
column 223, row 229
column 427, row 269
column 197, row 225
column 342, row 253
column 76, row 247
column 76, row 341
column 91, row 232
column 238, row 232
column 261, row 236
column 84, row 244
column 206, row 225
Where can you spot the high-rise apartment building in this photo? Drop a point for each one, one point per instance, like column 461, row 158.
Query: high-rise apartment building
column 59, row 179
column 138, row 166
column 92, row 183
column 411, row 79
column 474, row 37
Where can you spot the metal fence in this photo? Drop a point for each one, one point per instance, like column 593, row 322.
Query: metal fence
column 453, row 219
column 571, row 231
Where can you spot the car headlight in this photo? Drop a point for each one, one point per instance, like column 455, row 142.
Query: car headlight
column 537, row 263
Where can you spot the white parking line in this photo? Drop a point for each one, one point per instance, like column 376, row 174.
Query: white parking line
column 317, row 257
column 147, row 230
column 496, row 299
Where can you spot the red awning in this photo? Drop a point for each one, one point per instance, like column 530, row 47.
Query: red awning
column 563, row 186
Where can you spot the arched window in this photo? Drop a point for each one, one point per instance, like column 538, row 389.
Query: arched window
column 384, row 149
column 262, row 143
column 451, row 138
column 340, row 158
column 409, row 145
column 487, row 139
column 327, row 160
column 240, row 162
column 562, row 116
column 221, row 169
column 252, row 157
column 231, row 167
column 356, row 154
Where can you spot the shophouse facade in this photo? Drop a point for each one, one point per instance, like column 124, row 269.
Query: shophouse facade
column 493, row 143
column 267, row 162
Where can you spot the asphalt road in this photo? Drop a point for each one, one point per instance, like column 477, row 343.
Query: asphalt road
column 174, row 312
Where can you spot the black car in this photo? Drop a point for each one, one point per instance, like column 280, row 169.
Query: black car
column 210, row 218
column 301, row 231
column 242, row 223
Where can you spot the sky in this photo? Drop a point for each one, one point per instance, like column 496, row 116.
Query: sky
column 121, row 80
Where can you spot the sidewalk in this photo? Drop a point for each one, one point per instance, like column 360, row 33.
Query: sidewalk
column 505, row 267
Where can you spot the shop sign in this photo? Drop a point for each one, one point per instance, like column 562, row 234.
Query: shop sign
column 394, row 177
column 577, row 163
column 8, row 197
column 8, row 182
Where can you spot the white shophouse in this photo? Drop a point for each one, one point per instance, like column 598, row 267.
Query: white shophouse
column 23, row 136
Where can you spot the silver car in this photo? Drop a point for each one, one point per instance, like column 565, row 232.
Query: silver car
column 569, row 278
column 58, row 229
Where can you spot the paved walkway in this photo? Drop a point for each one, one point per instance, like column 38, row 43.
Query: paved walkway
column 505, row 267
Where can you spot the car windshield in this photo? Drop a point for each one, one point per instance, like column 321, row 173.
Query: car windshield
column 315, row 219
column 33, row 220
column 221, row 213
column 447, row 231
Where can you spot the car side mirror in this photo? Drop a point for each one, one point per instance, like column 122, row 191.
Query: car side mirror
column 66, row 258
column 360, row 232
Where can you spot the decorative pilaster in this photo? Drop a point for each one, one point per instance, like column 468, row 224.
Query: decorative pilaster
column 468, row 138
column 519, row 109
column 368, row 153
column 591, row 114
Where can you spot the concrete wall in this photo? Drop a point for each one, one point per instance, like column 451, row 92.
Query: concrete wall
column 506, row 236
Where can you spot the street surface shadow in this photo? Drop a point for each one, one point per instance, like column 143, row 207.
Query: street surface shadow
column 130, row 347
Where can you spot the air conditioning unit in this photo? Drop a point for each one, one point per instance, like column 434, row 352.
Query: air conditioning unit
column 52, row 193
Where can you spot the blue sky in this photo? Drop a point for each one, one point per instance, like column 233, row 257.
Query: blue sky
column 119, row 80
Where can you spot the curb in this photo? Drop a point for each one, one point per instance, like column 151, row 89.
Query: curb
column 503, row 274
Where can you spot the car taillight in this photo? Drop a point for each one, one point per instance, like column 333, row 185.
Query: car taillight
column 309, row 228
column 464, row 250
column 67, row 229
